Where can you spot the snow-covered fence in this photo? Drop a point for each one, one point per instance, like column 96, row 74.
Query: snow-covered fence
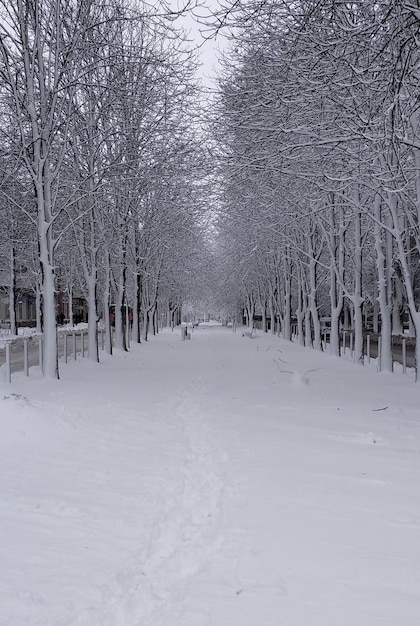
column 372, row 349
column 21, row 353
column 402, row 347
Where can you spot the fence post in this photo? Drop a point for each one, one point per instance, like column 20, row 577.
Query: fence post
column 8, row 367
column 344, row 342
column 351, row 344
column 368, row 348
column 404, row 355
column 65, row 347
column 379, row 354
column 25, row 357
column 82, row 337
column 74, row 346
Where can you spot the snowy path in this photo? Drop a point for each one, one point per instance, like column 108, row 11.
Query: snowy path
column 203, row 483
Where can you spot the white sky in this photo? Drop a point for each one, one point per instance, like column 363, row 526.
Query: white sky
column 209, row 49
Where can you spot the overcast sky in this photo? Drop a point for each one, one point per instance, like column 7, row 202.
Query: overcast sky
column 209, row 49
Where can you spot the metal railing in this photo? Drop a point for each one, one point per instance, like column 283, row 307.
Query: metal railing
column 403, row 348
column 22, row 353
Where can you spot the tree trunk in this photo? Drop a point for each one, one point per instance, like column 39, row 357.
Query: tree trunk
column 106, row 306
column 336, row 301
column 357, row 298
column 384, row 291
column 50, row 352
column 287, row 317
column 93, row 348
column 300, row 315
column 38, row 306
column 71, row 314
column 250, row 311
column 137, row 309
column 120, row 318
column 12, row 292
column 336, row 246
column 313, row 306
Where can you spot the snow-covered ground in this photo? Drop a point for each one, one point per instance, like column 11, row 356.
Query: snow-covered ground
column 222, row 481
